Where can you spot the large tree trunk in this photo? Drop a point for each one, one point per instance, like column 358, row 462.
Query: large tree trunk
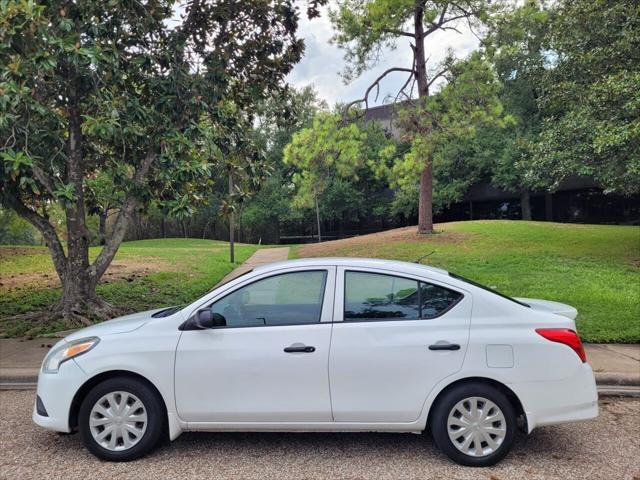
column 80, row 302
column 78, row 284
column 425, row 201
column 525, row 204
column 425, row 207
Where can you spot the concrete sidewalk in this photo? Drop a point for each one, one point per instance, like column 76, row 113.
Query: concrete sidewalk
column 260, row 257
column 614, row 365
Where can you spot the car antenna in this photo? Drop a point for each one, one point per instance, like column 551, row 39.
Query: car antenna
column 419, row 259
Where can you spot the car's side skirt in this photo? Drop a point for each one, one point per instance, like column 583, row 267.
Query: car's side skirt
column 414, row 427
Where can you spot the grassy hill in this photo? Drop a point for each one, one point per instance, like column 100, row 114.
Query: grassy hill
column 595, row 268
column 145, row 274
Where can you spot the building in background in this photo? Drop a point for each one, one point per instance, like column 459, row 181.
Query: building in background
column 577, row 199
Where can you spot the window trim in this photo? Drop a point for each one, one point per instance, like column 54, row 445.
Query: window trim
column 325, row 282
column 418, row 281
column 487, row 289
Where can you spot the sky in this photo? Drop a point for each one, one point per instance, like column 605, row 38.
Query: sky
column 323, row 62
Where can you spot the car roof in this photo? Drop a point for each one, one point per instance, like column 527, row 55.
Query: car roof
column 380, row 263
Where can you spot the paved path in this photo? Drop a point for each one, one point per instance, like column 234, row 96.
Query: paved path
column 606, row 448
column 262, row 257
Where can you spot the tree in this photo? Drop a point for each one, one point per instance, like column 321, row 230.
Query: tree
column 590, row 97
column 365, row 27
column 451, row 129
column 86, row 90
column 517, row 45
column 245, row 170
column 277, row 119
column 325, row 148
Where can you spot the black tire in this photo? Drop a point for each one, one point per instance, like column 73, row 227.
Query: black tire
column 155, row 418
column 447, row 402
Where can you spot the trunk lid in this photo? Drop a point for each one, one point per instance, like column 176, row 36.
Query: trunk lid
column 550, row 307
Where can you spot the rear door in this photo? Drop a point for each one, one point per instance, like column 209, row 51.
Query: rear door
column 393, row 339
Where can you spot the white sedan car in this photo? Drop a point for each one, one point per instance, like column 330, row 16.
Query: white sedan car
column 331, row 344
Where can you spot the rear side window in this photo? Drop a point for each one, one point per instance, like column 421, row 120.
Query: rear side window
column 373, row 296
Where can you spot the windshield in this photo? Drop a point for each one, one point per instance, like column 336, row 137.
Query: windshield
column 476, row 284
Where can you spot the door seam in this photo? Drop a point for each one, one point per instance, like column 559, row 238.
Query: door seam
column 333, row 310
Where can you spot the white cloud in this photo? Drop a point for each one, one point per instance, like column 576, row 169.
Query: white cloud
column 323, row 62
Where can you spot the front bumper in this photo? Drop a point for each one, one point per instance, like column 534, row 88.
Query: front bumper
column 552, row 402
column 56, row 392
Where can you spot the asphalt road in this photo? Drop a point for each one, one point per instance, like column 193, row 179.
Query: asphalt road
column 608, row 448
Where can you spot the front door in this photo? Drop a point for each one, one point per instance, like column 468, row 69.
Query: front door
column 270, row 362
column 381, row 367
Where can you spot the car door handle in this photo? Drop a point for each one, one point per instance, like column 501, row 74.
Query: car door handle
column 299, row 349
column 444, row 346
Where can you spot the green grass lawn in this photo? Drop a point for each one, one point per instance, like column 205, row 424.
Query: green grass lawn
column 166, row 272
column 595, row 268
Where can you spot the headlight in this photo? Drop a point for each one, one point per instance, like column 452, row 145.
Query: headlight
column 67, row 351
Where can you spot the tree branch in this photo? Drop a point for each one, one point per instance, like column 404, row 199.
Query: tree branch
column 101, row 263
column 44, row 227
column 441, row 73
column 399, row 33
column 376, row 84
column 44, row 178
column 443, row 20
column 411, row 76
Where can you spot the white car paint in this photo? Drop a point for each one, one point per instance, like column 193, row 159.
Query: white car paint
column 363, row 376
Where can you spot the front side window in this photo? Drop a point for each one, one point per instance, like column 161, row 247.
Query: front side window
column 373, row 296
column 285, row 299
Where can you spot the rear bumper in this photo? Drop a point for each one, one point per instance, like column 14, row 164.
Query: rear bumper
column 56, row 392
column 552, row 402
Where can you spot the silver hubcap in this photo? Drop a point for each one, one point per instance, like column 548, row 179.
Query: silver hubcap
column 476, row 426
column 118, row 421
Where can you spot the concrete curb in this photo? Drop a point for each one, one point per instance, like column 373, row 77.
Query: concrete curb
column 620, row 379
column 618, row 391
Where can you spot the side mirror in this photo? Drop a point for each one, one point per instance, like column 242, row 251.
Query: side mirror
column 218, row 320
column 205, row 318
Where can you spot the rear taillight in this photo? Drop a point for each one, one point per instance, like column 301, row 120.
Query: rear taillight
column 565, row 336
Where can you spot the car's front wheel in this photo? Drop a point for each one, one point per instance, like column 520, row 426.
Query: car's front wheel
column 121, row 419
column 474, row 424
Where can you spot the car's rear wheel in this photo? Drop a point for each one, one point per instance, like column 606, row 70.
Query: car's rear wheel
column 121, row 419
column 474, row 424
